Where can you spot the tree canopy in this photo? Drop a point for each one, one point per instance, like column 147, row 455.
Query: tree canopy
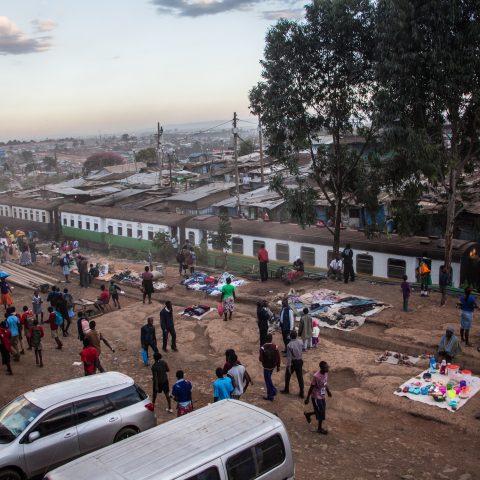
column 102, row 159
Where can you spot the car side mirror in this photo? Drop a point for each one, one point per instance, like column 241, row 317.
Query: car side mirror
column 33, row 436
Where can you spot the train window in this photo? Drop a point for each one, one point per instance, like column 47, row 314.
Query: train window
column 308, row 255
column 72, row 222
column 44, row 217
column 283, row 252
column 119, row 230
column 65, row 221
column 25, row 212
column 150, row 233
column 95, row 227
column 191, row 238
column 129, row 230
column 87, row 225
column 80, row 224
column 396, row 268
column 37, row 216
column 14, row 213
column 110, row 229
column 237, row 245
column 365, row 264
column 19, row 213
column 1, row 211
column 330, row 257
column 257, row 244
column 31, row 215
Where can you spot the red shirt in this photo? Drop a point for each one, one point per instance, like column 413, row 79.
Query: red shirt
column 263, row 255
column 104, row 296
column 5, row 337
column 51, row 320
column 38, row 327
column 89, row 355
column 319, row 384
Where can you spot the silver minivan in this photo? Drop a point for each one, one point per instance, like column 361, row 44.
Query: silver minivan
column 52, row 425
column 225, row 440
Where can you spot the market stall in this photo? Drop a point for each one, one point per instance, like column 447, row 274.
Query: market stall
column 209, row 284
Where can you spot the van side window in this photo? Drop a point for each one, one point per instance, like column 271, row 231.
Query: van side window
column 208, row 474
column 56, row 421
column 92, row 408
column 126, row 397
column 256, row 460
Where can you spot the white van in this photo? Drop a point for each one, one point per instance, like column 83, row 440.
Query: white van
column 225, row 440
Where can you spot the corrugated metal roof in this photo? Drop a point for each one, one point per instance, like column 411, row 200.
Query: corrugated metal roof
column 201, row 192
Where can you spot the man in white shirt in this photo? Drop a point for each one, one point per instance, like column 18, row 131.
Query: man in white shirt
column 335, row 268
column 240, row 378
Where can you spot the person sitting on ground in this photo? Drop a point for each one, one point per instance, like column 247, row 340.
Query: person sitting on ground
column 449, row 345
column 103, row 299
column 298, row 270
column 335, row 269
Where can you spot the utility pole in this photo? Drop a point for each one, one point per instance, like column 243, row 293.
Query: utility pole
column 235, row 156
column 260, row 141
column 170, row 167
column 160, row 150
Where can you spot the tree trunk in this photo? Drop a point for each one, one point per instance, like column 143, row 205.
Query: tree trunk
column 450, row 220
column 337, row 225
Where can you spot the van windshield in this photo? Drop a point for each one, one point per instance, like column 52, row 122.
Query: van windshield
column 15, row 417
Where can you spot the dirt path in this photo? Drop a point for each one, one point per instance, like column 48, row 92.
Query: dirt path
column 373, row 434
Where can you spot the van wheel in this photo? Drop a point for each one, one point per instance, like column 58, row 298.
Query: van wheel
column 121, row 435
column 10, row 474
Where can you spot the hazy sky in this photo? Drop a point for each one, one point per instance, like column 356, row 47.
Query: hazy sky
column 79, row 67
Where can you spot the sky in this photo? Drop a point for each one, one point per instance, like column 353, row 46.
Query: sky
column 73, row 68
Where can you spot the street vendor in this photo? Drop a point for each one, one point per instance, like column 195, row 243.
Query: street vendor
column 449, row 345
column 298, row 270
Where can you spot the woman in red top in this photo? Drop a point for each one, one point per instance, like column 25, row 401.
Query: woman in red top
column 5, row 347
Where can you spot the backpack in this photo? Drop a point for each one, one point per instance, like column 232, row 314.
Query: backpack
column 58, row 318
column 180, row 257
column 36, row 337
column 269, row 357
column 68, row 300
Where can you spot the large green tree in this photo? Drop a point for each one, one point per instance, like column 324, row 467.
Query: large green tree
column 318, row 78
column 428, row 72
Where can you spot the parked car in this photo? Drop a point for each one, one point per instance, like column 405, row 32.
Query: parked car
column 225, row 440
column 52, row 425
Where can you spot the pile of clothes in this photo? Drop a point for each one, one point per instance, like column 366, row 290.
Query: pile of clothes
column 196, row 311
column 335, row 309
column 204, row 282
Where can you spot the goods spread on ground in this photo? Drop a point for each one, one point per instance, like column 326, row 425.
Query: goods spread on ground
column 396, row 358
column 203, row 282
column 197, row 311
column 451, row 390
column 338, row 310
column 133, row 279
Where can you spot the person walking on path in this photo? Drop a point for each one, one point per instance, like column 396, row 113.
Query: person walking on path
column 182, row 394
column 467, row 305
column 160, row 380
column 294, row 363
column 148, row 338
column 89, row 357
column 6, row 292
column 262, row 321
column 83, row 271
column 65, row 264
column 181, row 260
column 443, row 281
column 113, row 290
column 95, row 338
column 14, row 325
column 167, row 326
column 26, row 321
column 240, row 378
column 68, row 297
column 270, row 359
column 147, row 284
column 53, row 322
column 405, row 287
column 37, row 305
column 305, row 329
column 262, row 256
column 318, row 391
column 228, row 299
column 347, row 256
column 36, row 334
column 5, row 347
column 222, row 386
column 287, row 322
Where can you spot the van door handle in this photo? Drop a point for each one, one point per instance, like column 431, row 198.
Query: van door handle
column 112, row 419
column 68, row 435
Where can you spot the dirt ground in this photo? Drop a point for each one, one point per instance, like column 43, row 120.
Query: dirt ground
column 372, row 433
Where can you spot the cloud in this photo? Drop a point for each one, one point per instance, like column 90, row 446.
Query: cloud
column 198, row 8
column 42, row 26
column 292, row 14
column 14, row 42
